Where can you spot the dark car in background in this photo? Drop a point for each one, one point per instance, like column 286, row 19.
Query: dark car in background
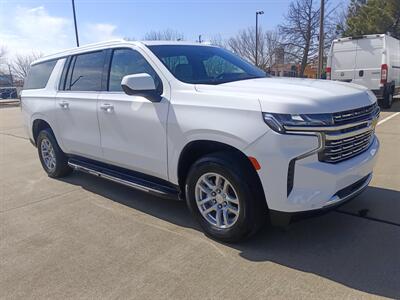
column 8, row 93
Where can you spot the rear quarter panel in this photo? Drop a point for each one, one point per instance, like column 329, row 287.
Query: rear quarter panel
column 40, row 103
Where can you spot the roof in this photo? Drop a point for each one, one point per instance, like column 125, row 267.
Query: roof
column 367, row 36
column 111, row 43
column 156, row 43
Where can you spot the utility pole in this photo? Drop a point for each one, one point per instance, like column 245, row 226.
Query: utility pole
column 11, row 77
column 76, row 28
column 260, row 12
column 321, row 40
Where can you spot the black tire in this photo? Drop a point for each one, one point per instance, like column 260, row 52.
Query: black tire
column 387, row 100
column 253, row 208
column 61, row 167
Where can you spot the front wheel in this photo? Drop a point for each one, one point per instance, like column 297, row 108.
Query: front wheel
column 221, row 195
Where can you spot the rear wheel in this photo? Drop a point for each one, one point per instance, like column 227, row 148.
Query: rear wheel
column 387, row 100
column 53, row 159
column 221, row 194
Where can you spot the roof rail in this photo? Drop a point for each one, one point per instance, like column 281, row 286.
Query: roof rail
column 84, row 47
column 100, row 43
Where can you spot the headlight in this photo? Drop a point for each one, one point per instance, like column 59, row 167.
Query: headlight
column 277, row 122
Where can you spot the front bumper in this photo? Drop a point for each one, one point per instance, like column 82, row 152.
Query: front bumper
column 280, row 218
column 316, row 184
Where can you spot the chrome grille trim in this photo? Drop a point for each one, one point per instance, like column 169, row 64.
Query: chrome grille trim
column 346, row 149
column 352, row 134
column 354, row 113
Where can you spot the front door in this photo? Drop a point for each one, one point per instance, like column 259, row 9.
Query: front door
column 76, row 106
column 133, row 129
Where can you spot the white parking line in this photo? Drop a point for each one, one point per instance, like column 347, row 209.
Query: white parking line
column 388, row 118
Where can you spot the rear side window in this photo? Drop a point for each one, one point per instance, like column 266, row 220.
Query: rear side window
column 38, row 75
column 85, row 72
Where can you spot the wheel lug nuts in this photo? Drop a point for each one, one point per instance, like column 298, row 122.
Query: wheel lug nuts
column 213, row 194
column 219, row 206
column 224, row 203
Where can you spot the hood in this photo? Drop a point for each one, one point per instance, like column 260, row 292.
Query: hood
column 296, row 95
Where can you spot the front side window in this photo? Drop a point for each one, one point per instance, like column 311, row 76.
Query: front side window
column 128, row 62
column 85, row 72
column 39, row 74
column 204, row 64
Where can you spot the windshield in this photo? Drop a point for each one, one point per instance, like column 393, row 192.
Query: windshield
column 205, row 65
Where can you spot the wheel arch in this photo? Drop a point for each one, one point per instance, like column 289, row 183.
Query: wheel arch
column 37, row 126
column 199, row 148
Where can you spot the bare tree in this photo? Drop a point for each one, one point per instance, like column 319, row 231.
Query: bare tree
column 3, row 52
column 21, row 64
column 165, row 35
column 217, row 40
column 244, row 44
column 273, row 43
column 301, row 30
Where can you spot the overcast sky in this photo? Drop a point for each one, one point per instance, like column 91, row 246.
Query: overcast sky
column 47, row 26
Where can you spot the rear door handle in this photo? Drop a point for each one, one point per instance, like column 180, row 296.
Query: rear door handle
column 64, row 104
column 107, row 107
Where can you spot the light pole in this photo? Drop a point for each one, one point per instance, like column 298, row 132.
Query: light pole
column 321, row 41
column 260, row 12
column 76, row 28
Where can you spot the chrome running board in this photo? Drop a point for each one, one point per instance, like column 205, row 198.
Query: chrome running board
column 129, row 180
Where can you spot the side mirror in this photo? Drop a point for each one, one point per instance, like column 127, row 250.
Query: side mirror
column 141, row 84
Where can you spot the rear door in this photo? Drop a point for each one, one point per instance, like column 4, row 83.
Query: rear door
column 344, row 60
column 368, row 62
column 76, row 105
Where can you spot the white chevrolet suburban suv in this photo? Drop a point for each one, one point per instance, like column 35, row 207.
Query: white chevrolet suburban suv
column 197, row 123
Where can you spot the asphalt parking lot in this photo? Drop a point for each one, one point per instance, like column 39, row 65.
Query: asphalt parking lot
column 83, row 237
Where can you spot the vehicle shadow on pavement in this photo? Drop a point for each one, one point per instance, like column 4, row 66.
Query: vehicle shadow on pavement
column 359, row 253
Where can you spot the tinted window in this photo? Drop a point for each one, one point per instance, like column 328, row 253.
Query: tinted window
column 126, row 62
column 216, row 66
column 205, row 65
column 39, row 74
column 85, row 72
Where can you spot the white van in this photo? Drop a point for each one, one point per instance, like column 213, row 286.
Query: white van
column 370, row 60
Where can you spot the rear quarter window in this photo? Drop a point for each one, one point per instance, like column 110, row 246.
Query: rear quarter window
column 39, row 75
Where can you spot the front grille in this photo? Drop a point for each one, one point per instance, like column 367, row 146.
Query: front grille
column 351, row 140
column 339, row 150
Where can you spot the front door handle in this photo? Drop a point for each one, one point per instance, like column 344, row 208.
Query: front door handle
column 64, row 104
column 107, row 107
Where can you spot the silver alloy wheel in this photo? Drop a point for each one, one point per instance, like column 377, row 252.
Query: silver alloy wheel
column 48, row 155
column 217, row 200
